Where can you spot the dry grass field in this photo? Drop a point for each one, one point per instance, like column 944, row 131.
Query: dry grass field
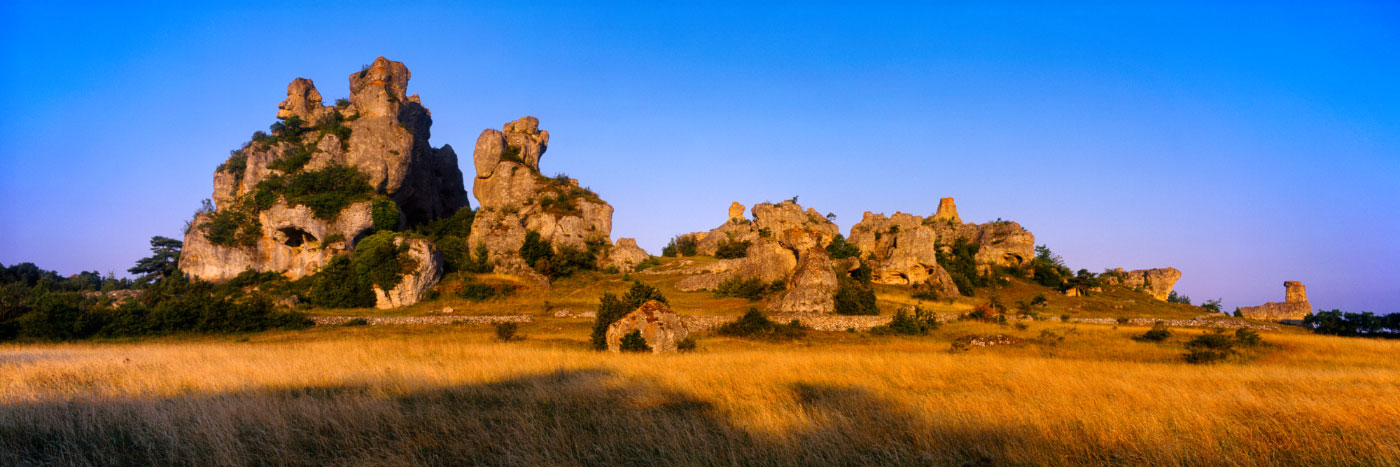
column 434, row 395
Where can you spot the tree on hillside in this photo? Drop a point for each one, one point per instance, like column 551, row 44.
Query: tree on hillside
column 163, row 262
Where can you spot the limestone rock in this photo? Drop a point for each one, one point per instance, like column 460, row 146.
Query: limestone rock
column 659, row 326
column 1155, row 282
column 902, row 251
column 766, row 261
column 736, row 211
column 415, row 284
column 385, row 138
column 515, row 199
column 1294, row 307
column 625, row 255
column 947, row 212
column 812, row 288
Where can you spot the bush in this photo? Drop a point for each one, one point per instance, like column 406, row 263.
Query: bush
column 1050, row 270
column 961, row 264
column 611, row 309
column 384, row 214
column 634, row 342
column 232, row 228
column 505, row 332
column 683, row 245
column 755, row 325
column 1210, row 347
column 536, row 249
column 1158, row 333
column 686, row 345
column 918, row 324
column 840, row 249
column 1364, row 324
column 1174, row 297
column 476, row 291
column 731, row 248
column 1248, row 337
column 750, row 288
column 337, row 286
column 854, row 298
column 326, row 191
column 650, row 262
column 293, row 158
column 356, row 322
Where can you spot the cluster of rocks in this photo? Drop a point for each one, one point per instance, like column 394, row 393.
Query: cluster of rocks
column 515, row 198
column 385, row 135
column 1295, row 305
column 785, row 243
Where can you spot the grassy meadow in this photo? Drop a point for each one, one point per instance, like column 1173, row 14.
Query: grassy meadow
column 433, row 395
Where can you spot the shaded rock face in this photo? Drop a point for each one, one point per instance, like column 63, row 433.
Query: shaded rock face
column 662, row 328
column 901, row 250
column 1294, row 307
column 385, row 138
column 415, row 284
column 515, row 198
column 1155, row 282
column 785, row 243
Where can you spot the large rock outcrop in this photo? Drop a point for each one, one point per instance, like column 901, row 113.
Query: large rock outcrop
column 414, row 285
column 901, row 250
column 1295, row 305
column 660, row 327
column 291, row 200
column 515, row 199
column 1156, row 282
column 785, row 243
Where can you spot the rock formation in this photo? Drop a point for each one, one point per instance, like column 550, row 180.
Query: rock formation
column 736, row 212
column 901, row 250
column 516, row 199
column 290, row 201
column 659, row 326
column 947, row 212
column 414, row 285
column 785, row 243
column 625, row 255
column 1295, row 305
column 1155, row 282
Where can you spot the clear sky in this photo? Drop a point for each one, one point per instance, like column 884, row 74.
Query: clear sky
column 1242, row 144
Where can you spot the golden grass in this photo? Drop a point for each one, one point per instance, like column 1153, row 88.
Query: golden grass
column 449, row 395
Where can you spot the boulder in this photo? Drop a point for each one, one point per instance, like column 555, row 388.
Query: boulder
column 1295, row 305
column 1155, row 282
column 812, row 287
column 659, row 326
column 901, row 250
column 414, row 284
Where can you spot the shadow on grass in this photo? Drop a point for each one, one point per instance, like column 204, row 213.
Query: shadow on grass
column 588, row 417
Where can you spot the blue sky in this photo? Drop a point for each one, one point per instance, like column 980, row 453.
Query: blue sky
column 1245, row 144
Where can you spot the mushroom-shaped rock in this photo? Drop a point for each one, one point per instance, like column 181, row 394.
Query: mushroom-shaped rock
column 659, row 326
column 1295, row 305
column 414, row 285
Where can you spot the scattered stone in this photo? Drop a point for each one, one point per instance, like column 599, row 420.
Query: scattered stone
column 662, row 328
column 1294, row 307
column 447, row 310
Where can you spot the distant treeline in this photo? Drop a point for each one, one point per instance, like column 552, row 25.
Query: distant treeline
column 1364, row 324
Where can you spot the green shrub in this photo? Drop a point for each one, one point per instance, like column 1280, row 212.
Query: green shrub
column 683, row 245
column 378, row 261
column 1210, row 347
column 918, row 324
column 686, row 345
column 476, row 291
column 335, row 285
column 384, row 213
column 750, row 288
column 1158, row 333
column 961, row 264
column 634, row 342
column 326, row 191
column 839, row 248
column 293, row 158
column 755, row 325
column 237, row 164
column 854, row 298
column 1248, row 337
column 1174, row 297
column 505, row 332
column 648, row 263
column 536, row 249
column 730, row 248
column 1049, row 268
column 611, row 308
column 231, row 227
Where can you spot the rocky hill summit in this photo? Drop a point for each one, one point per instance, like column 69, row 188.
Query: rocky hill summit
column 522, row 210
column 323, row 179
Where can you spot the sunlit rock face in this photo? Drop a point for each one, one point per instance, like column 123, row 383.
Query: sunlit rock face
column 1295, row 305
column 379, row 132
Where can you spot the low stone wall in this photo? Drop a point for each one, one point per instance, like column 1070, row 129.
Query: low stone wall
column 383, row 320
column 824, row 322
